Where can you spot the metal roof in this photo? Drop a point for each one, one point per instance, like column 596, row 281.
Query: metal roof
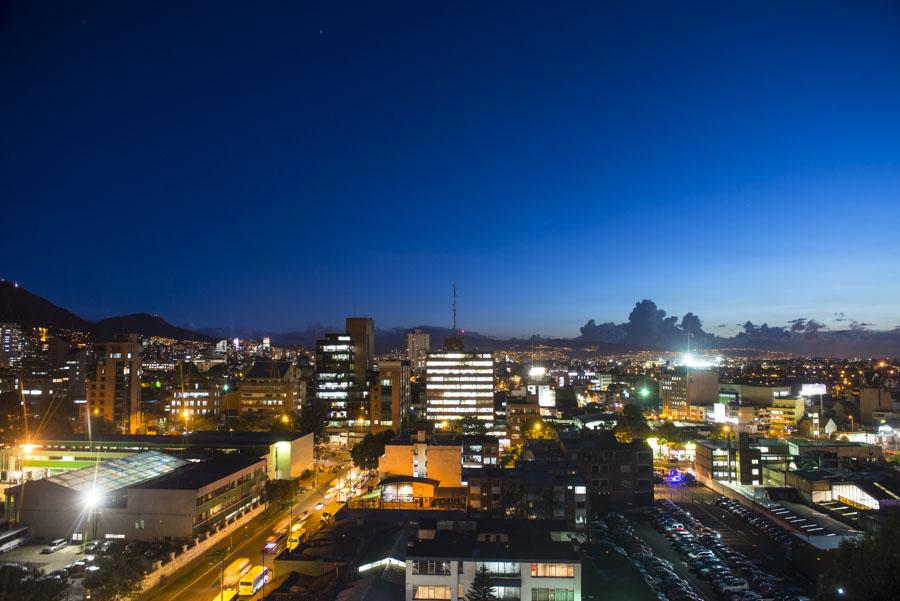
column 116, row 474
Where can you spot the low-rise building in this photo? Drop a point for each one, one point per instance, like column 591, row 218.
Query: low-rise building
column 148, row 496
column 525, row 560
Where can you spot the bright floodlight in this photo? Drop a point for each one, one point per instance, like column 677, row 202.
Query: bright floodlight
column 92, row 498
column 537, row 372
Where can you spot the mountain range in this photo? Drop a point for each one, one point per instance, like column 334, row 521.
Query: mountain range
column 18, row 305
column 648, row 328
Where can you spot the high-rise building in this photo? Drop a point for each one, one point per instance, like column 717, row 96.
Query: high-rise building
column 335, row 380
column 12, row 344
column 459, row 384
column 114, row 382
column 362, row 332
column 418, row 345
column 389, row 395
column 680, row 389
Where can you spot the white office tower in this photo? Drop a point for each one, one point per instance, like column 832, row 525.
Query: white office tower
column 459, row 384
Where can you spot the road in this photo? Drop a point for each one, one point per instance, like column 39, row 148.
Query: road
column 199, row 581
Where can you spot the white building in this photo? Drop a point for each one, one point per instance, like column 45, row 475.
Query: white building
column 526, row 560
column 459, row 384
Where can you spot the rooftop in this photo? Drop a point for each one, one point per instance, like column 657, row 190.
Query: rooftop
column 121, row 473
column 196, row 475
column 525, row 541
column 267, row 370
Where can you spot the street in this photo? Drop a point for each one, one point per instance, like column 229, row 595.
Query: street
column 200, row 581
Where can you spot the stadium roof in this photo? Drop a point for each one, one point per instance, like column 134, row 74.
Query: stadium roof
column 119, row 473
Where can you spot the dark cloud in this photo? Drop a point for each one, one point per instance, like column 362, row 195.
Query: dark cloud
column 604, row 332
column 649, row 327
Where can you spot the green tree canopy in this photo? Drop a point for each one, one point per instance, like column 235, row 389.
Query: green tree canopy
column 468, row 425
column 631, row 424
column 365, row 453
column 669, row 432
column 865, row 570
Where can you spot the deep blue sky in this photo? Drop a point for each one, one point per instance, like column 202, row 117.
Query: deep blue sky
column 271, row 164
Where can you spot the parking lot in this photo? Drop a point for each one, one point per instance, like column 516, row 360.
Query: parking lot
column 695, row 545
column 31, row 556
column 736, row 532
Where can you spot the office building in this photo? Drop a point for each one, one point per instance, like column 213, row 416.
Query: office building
column 362, row 333
column 784, row 414
column 459, row 384
column 336, row 385
column 683, row 387
column 12, row 344
column 149, row 496
column 418, row 345
column 269, row 389
column 752, row 394
column 114, row 383
column 389, row 396
column 192, row 400
column 526, row 560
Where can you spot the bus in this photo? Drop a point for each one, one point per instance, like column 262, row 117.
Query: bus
column 253, row 581
column 229, row 594
column 237, row 568
column 275, row 543
column 14, row 537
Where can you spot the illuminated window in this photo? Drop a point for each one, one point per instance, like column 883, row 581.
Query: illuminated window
column 553, row 570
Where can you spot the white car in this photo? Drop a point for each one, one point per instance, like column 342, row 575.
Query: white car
column 734, row 586
column 320, row 506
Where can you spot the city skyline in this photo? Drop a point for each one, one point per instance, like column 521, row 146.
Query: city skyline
column 360, row 163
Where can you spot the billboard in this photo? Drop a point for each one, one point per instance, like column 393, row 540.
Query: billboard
column 812, row 390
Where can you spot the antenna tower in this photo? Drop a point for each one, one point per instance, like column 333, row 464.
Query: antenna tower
column 454, row 308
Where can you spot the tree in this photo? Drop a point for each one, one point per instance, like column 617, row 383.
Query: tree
column 535, row 428
column 118, row 577
column 865, row 570
column 280, row 493
column 468, row 425
column 669, row 432
column 286, row 422
column 365, row 453
column 24, row 584
column 202, row 423
column 511, row 455
column 312, row 420
column 248, row 423
column 481, row 589
column 631, row 424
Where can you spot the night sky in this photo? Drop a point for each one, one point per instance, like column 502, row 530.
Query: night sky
column 270, row 164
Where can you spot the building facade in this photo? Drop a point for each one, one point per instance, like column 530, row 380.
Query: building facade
column 12, row 344
column 418, row 345
column 389, row 394
column 525, row 560
column 114, row 383
column 459, row 384
column 270, row 389
column 683, row 387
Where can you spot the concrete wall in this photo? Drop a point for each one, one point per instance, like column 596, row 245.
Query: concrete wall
column 198, row 549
